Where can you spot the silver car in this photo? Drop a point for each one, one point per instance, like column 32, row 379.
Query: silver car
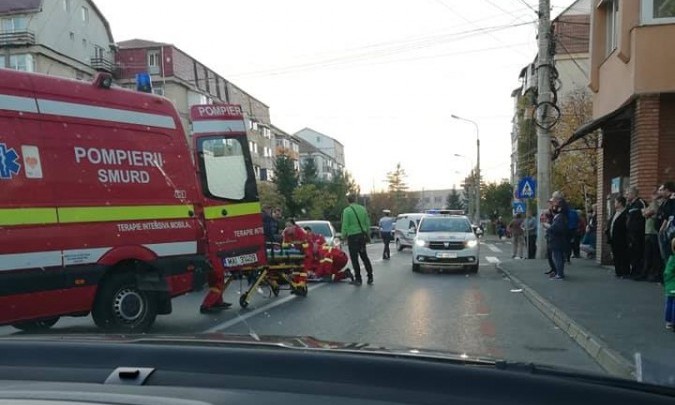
column 445, row 241
column 324, row 228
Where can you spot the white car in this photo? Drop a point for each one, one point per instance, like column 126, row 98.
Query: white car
column 324, row 228
column 445, row 241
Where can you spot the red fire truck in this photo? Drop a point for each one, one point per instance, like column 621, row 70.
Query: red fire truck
column 104, row 209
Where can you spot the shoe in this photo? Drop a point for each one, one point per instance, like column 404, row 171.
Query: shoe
column 552, row 275
column 370, row 280
column 356, row 283
column 550, row 271
column 223, row 305
column 209, row 310
column 350, row 275
column 669, row 325
column 559, row 277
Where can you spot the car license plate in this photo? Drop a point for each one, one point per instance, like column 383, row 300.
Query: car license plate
column 446, row 255
column 240, row 260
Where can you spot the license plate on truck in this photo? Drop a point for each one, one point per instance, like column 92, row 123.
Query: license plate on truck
column 240, row 260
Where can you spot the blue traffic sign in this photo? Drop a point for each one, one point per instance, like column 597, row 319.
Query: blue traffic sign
column 519, row 207
column 527, row 187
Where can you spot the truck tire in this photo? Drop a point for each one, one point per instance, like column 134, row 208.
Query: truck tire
column 36, row 326
column 121, row 306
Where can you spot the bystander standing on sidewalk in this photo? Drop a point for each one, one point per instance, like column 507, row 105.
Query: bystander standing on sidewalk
column 669, row 286
column 588, row 243
column 652, row 265
column 635, row 230
column 616, row 235
column 516, row 230
column 665, row 219
column 559, row 239
column 572, row 225
column 530, row 228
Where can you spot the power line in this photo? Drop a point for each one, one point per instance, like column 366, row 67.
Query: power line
column 405, row 46
column 529, row 6
column 576, row 63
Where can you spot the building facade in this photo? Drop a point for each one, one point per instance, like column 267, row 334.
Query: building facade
column 187, row 82
column 324, row 143
column 633, row 99
column 436, row 199
column 326, row 165
column 68, row 38
column 288, row 145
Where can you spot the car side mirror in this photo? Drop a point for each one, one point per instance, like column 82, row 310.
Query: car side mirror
column 338, row 235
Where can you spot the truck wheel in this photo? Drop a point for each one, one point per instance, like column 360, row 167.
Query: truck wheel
column 399, row 247
column 121, row 306
column 36, row 326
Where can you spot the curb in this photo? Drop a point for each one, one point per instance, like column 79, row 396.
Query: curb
column 611, row 361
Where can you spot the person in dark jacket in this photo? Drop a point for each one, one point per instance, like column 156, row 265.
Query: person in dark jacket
column 270, row 225
column 635, row 231
column 618, row 240
column 559, row 241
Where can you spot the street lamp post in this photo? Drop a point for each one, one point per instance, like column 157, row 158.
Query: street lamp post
column 477, row 165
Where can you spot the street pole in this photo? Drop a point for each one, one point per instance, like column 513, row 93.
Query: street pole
column 544, row 92
column 477, row 179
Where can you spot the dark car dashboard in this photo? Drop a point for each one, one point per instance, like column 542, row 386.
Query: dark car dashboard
column 65, row 370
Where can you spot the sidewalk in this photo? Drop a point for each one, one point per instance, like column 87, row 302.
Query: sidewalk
column 619, row 322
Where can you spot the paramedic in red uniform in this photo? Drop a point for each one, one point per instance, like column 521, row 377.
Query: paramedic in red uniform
column 316, row 242
column 213, row 302
column 331, row 265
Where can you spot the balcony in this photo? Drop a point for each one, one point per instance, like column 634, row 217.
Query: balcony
column 17, row 38
column 102, row 64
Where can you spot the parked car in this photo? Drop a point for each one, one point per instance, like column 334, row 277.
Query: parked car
column 404, row 229
column 324, row 228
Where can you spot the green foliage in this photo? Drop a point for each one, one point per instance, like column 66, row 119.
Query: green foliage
column 309, row 173
column 286, row 181
column 496, row 200
column 454, row 201
column 269, row 195
column 313, row 201
column 401, row 199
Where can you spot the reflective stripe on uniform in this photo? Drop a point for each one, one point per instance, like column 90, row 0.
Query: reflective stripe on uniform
column 127, row 213
column 27, row 216
column 232, row 210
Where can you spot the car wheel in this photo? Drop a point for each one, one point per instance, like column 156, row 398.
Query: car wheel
column 121, row 306
column 399, row 247
column 415, row 268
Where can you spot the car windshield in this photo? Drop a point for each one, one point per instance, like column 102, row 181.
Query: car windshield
column 159, row 161
column 321, row 228
column 443, row 224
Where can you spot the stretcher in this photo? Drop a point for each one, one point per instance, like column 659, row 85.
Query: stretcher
column 284, row 271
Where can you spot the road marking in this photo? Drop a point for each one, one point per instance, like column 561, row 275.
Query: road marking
column 494, row 248
column 492, row 259
column 241, row 318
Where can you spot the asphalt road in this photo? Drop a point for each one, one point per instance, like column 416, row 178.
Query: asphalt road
column 481, row 314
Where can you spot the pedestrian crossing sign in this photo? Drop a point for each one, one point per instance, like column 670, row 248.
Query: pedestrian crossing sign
column 519, row 208
column 527, row 187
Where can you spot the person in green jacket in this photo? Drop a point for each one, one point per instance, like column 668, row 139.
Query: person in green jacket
column 355, row 227
column 669, row 284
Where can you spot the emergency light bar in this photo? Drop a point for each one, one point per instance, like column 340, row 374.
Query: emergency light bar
column 143, row 82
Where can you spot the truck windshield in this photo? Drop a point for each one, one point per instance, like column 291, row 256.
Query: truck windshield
column 225, row 168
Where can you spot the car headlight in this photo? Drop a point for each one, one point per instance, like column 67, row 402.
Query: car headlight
column 472, row 243
column 420, row 242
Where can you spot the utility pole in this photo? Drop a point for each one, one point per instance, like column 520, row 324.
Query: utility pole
column 477, row 177
column 544, row 94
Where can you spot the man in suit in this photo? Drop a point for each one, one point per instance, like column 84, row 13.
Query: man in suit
column 618, row 239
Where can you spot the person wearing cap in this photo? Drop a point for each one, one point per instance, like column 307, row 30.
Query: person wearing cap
column 386, row 229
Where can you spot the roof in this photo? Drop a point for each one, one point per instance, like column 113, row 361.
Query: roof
column 140, row 43
column 19, row 6
column 307, row 129
column 103, row 19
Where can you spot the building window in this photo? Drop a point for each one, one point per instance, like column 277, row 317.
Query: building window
column 85, row 15
column 158, row 90
column 25, row 63
column 14, row 24
column 612, row 25
column 153, row 62
column 296, row 147
column 296, row 165
column 658, row 11
column 66, row 5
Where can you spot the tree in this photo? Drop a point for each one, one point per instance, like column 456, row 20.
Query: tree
column 313, row 202
column 574, row 171
column 496, row 199
column 454, row 201
column 341, row 185
column 309, row 173
column 269, row 195
column 527, row 136
column 286, row 181
column 402, row 201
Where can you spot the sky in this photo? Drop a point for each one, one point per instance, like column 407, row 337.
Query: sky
column 381, row 76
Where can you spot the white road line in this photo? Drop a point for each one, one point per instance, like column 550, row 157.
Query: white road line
column 494, row 248
column 241, row 318
column 492, row 259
